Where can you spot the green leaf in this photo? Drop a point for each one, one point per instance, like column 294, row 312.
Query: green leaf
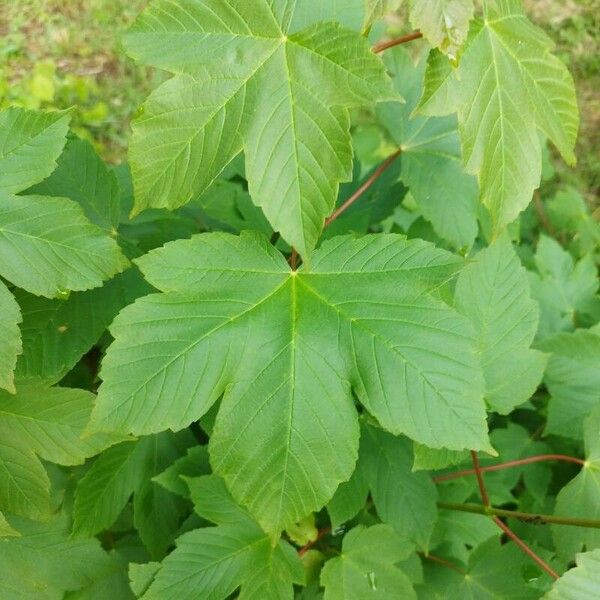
column 573, row 380
column 362, row 318
column 581, row 582
column 493, row 292
column 459, row 532
column 82, row 176
column 563, row 288
column 350, row 496
column 227, row 206
column 30, row 143
column 47, row 423
column 213, row 562
column 283, row 99
column 445, row 23
column 404, row 499
column 494, row 573
column 514, row 442
column 24, row 483
column 47, row 246
column 580, row 498
column 350, row 13
column 427, row 459
column 127, row 469
column 5, row 528
column 193, row 464
column 50, row 421
column 510, row 87
column 441, row 94
column 431, row 157
column 10, row 338
column 141, row 576
column 377, row 9
column 366, row 566
column 44, row 563
column 58, row 332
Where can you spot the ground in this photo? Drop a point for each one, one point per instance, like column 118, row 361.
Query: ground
column 60, row 53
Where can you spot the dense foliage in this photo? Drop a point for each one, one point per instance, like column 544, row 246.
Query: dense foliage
column 312, row 340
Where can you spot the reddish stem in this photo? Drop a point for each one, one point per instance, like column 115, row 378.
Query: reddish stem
column 482, row 489
column 525, row 548
column 509, row 464
column 381, row 46
column 363, row 188
column 505, row 528
column 294, row 259
column 320, row 535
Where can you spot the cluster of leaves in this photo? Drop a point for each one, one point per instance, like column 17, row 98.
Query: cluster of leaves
column 187, row 413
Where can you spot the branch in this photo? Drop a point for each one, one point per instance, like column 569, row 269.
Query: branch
column 507, row 465
column 505, row 528
column 320, row 535
column 526, row 549
column 363, row 188
column 521, row 516
column 482, row 489
column 381, row 46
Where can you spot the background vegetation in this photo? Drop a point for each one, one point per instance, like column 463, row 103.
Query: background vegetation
column 61, row 53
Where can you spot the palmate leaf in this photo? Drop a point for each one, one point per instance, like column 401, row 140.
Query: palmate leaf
column 243, row 81
column 285, row 348
column 580, row 498
column 40, row 422
column 493, row 291
column 366, row 568
column 581, row 582
column 431, row 156
column 215, row 561
column 509, row 86
column 10, row 337
column 445, row 23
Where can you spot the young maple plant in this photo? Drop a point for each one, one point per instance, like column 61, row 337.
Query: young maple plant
column 310, row 341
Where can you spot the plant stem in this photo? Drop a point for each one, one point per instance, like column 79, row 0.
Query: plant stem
column 363, row 188
column 294, row 259
column 321, row 534
column 521, row 516
column 525, row 548
column 482, row 489
column 381, row 46
column 507, row 465
column 505, row 528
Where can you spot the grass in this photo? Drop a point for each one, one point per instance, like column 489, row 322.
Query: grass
column 60, row 53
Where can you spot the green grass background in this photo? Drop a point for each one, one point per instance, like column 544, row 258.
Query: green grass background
column 62, row 53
